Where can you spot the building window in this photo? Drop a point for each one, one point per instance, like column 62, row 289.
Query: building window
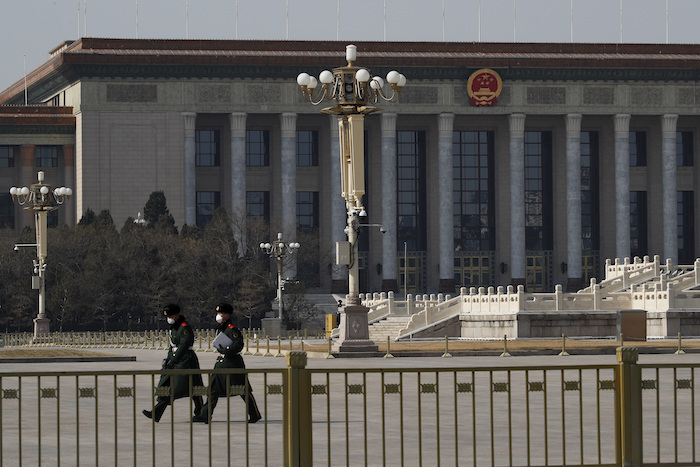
column 538, row 190
column 308, row 266
column 52, row 218
column 207, row 148
column 207, row 202
column 686, row 227
column 638, row 223
column 257, row 205
column 684, row 148
column 257, row 148
column 472, row 182
column 47, row 156
column 7, row 156
column 307, row 148
column 590, row 214
column 7, row 211
column 638, row 149
column 411, row 215
column 307, row 211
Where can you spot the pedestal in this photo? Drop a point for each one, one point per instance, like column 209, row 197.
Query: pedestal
column 41, row 330
column 272, row 327
column 354, row 330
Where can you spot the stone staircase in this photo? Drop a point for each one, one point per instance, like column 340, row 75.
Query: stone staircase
column 387, row 327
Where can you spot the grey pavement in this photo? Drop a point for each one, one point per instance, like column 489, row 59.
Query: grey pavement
column 374, row 418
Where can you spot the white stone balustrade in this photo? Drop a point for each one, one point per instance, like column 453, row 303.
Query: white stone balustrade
column 640, row 284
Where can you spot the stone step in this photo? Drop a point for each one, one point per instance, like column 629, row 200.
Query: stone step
column 388, row 327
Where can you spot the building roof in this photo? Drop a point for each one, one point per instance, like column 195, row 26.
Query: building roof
column 138, row 58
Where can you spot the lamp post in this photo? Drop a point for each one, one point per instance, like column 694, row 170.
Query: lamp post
column 354, row 92
column 279, row 250
column 40, row 199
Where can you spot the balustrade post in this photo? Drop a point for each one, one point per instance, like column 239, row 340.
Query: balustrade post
column 628, row 408
column 297, row 412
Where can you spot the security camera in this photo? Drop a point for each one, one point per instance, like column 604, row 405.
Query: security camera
column 382, row 230
column 16, row 248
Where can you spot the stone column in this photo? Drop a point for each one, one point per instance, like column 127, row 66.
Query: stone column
column 573, row 202
column 288, row 170
column 622, row 185
column 668, row 174
column 28, row 177
column 517, row 199
column 445, row 222
column 238, row 178
column 339, row 284
column 69, row 181
column 389, row 202
column 190, row 171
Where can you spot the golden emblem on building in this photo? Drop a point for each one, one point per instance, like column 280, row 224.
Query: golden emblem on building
column 484, row 87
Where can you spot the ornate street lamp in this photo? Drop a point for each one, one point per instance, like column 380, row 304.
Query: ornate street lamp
column 354, row 92
column 40, row 199
column 279, row 250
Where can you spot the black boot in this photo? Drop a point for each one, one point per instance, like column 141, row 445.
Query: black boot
column 198, row 403
column 206, row 411
column 158, row 410
column 253, row 412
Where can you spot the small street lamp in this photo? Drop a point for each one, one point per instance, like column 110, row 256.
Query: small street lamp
column 139, row 219
column 40, row 199
column 353, row 90
column 279, row 250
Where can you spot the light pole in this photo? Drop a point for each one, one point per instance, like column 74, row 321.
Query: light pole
column 354, row 91
column 40, row 199
column 279, row 250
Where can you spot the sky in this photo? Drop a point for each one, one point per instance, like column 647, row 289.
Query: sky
column 33, row 27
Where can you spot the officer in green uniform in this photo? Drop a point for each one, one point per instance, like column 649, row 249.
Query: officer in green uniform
column 229, row 357
column 180, row 357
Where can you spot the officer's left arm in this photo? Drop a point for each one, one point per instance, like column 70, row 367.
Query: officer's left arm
column 237, row 345
column 185, row 341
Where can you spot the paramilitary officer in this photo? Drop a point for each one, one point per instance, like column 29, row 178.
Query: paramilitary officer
column 180, row 357
column 229, row 357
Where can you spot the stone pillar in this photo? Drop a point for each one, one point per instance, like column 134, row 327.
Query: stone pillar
column 288, row 170
column 69, row 181
column 339, row 279
column 190, row 172
column 668, row 174
column 390, row 274
column 622, row 185
column 517, row 199
column 574, row 280
column 445, row 222
column 28, row 177
column 238, row 178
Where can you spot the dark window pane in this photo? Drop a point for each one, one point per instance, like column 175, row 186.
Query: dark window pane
column 207, row 149
column 207, row 202
column 257, row 146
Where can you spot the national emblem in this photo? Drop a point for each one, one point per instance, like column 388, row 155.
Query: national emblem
column 484, row 87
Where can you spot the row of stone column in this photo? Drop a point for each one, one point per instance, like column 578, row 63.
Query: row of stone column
column 445, row 134
column 287, row 174
column 573, row 190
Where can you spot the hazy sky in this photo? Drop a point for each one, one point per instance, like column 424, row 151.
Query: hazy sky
column 33, row 27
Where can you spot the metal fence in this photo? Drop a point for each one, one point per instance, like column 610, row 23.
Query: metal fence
column 607, row 415
column 158, row 339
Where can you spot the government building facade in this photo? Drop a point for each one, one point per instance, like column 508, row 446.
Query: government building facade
column 500, row 163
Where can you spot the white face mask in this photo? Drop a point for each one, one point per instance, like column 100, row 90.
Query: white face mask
column 170, row 320
column 219, row 319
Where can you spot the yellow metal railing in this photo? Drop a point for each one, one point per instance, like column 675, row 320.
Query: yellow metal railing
column 523, row 415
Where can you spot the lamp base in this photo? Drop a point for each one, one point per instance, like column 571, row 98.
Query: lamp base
column 41, row 330
column 354, row 330
column 272, row 327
